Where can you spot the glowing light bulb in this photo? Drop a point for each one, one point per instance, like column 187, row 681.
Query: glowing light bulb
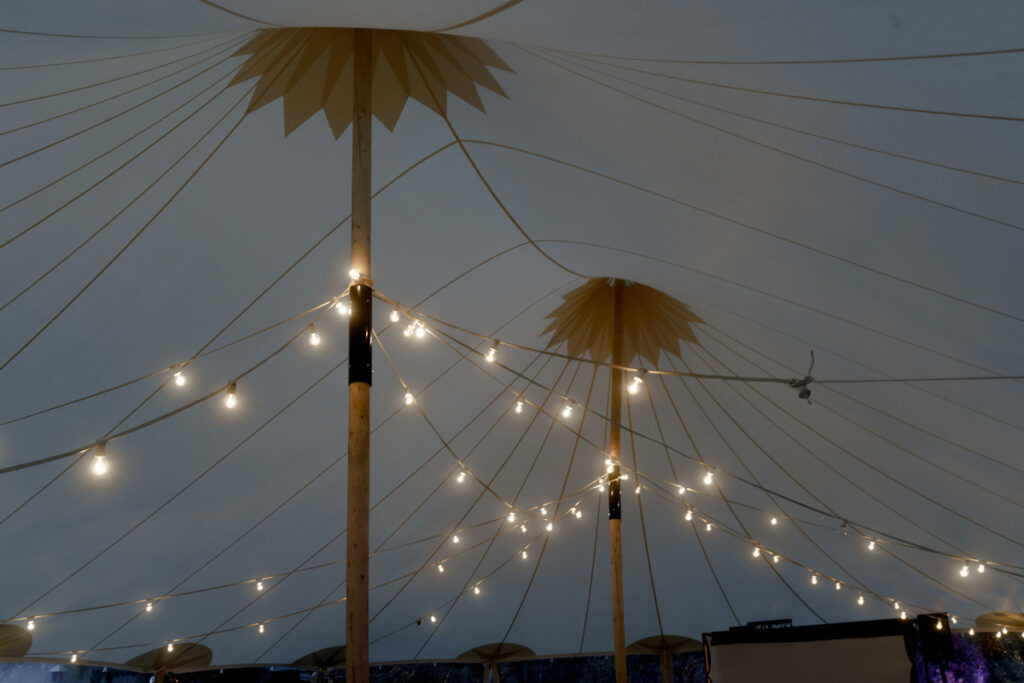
column 342, row 308
column 519, row 406
column 871, row 545
column 981, row 567
column 682, row 490
column 407, row 331
column 259, row 585
column 180, row 379
column 170, row 647
column 757, row 552
column 525, row 555
column 970, row 632
column 314, row 337
column 600, row 487
column 476, row 590
column 353, row 274
column 776, row 558
column 689, row 515
column 965, row 570
column 149, row 607
column 74, row 658
column 462, row 477
column 440, row 569
column 896, row 605
column 860, row 599
column 394, row 315
column 522, row 527
column 634, row 386
column 775, row 521
column 99, row 465
column 231, row 396
column 1005, row 631
column 609, row 468
column 953, row 619
column 512, row 516
column 707, row 527
column 838, row 585
column 572, row 510
column 579, row 515
column 623, row 477
column 261, row 629
column 492, row 353
column 433, row 619
column 420, row 330
column 409, row 398
column 938, row 625
column 903, row 615
column 455, row 538
column 31, row 625
column 637, row 490
column 550, row 526
column 709, row 476
column 567, row 410
column 814, row 579
column 543, row 512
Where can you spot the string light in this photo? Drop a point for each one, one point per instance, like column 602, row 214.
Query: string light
column 682, row 490
column 634, row 386
column 623, row 477
column 838, row 585
column 259, row 585
column 525, row 555
column 609, row 468
column 953, row 619
column 965, row 570
column 179, row 378
column 776, row 558
column 74, row 657
column 637, row 490
column 981, row 567
column 314, row 337
column 550, row 526
column 709, row 476
column 492, row 353
column 231, row 396
column 871, row 545
column 353, row 274
column 522, row 527
column 512, row 516
column 461, row 477
column 896, row 605
column 433, row 619
column 455, row 538
column 999, row 634
column 409, row 398
column 476, row 590
column 757, row 552
column 689, row 515
column 440, row 569
column 775, row 521
column 814, row 579
column 579, row 514
column 903, row 616
column 261, row 629
column 149, row 606
column 600, row 487
column 519, row 406
column 860, row 599
column 567, row 410
column 99, row 465
column 394, row 315
column 707, row 527
column 342, row 308
column 970, row 632
column 31, row 625
column 1005, row 631
column 938, row 624
column 170, row 647
column 543, row 512
column 572, row 510
column 420, row 331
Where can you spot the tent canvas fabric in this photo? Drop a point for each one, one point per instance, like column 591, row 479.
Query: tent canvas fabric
column 834, row 176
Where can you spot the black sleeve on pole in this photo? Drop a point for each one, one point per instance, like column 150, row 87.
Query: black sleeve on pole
column 614, row 496
column 360, row 353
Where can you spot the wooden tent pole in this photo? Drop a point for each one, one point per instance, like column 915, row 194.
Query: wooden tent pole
column 357, row 630
column 614, row 490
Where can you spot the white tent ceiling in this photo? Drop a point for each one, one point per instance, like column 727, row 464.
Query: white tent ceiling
column 887, row 238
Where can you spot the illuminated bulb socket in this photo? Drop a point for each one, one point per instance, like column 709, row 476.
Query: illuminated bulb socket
column 814, row 579
column 999, row 634
column 871, row 545
column 981, row 567
column 149, row 607
column 550, row 526
column 259, row 585
column 775, row 521
column 572, row 510
column 567, row 410
column 100, row 466
column 170, row 647
column 903, row 615
column 600, row 487
column 394, row 315
column 965, row 570
column 522, row 527
column 407, row 332
column 231, row 396
column 757, row 552
column 634, row 386
column 342, row 308
column 938, row 625
column 476, row 590
column 511, row 516
column 461, row 478
column 492, row 353
column 1005, row 631
column 623, row 477
column 775, row 559
column 314, row 337
column 579, row 515
column 409, row 398
column 953, row 620
column 543, row 512
column 896, row 605
column 420, row 331
column 440, row 569
column 860, row 599
column 455, row 538
column 519, row 406
column 179, row 378
column 609, row 468
column 682, row 490
column 688, row 516
column 838, row 585
column 525, row 555
column 709, row 477
column 261, row 630
column 433, row 619
column 707, row 527
column 31, row 626
column 74, row 658
column 637, row 490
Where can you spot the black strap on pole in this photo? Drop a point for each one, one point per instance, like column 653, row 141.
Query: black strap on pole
column 360, row 353
column 614, row 495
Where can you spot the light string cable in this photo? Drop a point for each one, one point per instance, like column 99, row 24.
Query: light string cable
column 231, row 45
column 115, row 79
column 440, row 449
column 903, row 484
column 479, row 496
column 682, row 489
column 735, row 477
column 93, row 60
column 962, row 554
column 797, row 304
column 823, row 100
column 791, row 129
column 480, row 175
column 778, row 150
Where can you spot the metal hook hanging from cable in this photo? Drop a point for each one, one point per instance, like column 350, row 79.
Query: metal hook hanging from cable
column 802, row 384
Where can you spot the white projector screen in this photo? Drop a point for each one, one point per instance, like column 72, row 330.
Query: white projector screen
column 866, row 651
